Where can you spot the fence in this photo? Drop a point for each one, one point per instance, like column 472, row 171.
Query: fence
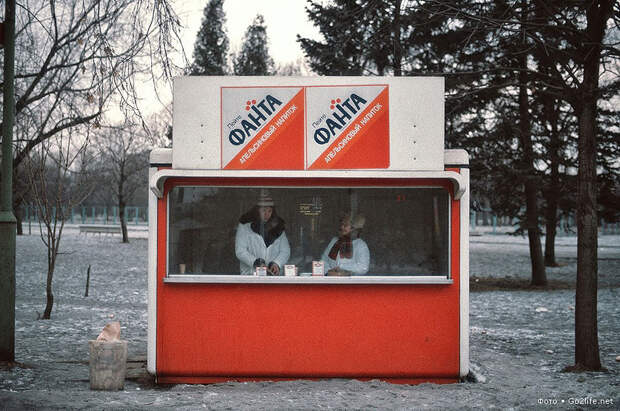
column 478, row 220
column 486, row 221
column 90, row 215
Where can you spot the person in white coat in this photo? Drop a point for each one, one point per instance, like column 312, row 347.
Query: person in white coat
column 347, row 254
column 261, row 240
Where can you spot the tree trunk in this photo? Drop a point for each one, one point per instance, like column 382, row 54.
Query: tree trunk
column 87, row 281
column 398, row 53
column 551, row 229
column 539, row 277
column 121, row 202
column 586, row 324
column 121, row 212
column 529, row 172
column 553, row 192
column 48, row 289
column 18, row 216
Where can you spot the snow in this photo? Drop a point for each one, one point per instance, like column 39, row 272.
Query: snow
column 520, row 340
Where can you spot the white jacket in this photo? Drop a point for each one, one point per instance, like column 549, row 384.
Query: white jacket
column 358, row 264
column 250, row 245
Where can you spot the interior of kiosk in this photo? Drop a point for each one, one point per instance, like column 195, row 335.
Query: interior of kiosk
column 406, row 228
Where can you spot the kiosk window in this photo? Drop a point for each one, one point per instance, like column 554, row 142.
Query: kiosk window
column 406, row 229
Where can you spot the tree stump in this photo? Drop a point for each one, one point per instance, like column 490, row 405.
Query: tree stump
column 108, row 365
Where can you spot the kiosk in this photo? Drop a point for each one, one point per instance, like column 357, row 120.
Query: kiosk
column 316, row 148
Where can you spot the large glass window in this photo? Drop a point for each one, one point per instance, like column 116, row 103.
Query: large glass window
column 405, row 229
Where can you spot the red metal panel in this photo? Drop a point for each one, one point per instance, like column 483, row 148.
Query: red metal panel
column 216, row 380
column 254, row 331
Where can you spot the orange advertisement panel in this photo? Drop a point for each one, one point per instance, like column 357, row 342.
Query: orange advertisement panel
column 348, row 127
column 314, row 127
column 262, row 128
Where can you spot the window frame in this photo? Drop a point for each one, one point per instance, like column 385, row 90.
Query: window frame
column 312, row 182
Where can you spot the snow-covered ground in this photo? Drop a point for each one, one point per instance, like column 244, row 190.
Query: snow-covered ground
column 520, row 340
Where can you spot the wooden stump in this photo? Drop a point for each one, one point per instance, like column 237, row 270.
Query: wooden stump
column 108, row 365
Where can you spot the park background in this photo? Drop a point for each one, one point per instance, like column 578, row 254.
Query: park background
column 531, row 94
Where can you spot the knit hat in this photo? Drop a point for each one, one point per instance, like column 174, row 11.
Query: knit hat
column 264, row 199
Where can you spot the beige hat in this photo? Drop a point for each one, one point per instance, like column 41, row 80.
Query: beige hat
column 358, row 221
column 264, row 199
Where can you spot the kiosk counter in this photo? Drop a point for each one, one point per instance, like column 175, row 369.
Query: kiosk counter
column 308, row 228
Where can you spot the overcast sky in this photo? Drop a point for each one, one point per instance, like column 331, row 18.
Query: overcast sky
column 284, row 20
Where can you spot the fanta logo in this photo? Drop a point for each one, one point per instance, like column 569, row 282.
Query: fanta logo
column 342, row 115
column 258, row 114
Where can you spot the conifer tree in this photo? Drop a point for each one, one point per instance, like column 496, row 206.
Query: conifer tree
column 254, row 58
column 524, row 95
column 566, row 44
column 357, row 37
column 211, row 46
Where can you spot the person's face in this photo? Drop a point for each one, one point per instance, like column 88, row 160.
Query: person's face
column 265, row 213
column 345, row 227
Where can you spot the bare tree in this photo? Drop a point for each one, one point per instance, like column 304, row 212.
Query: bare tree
column 76, row 59
column 56, row 189
column 123, row 152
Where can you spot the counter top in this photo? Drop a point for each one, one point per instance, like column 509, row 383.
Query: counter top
column 250, row 279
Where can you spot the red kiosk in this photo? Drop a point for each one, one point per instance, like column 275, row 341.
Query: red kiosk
column 320, row 146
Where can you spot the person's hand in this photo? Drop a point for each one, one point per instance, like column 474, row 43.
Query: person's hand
column 274, row 268
column 331, row 272
column 334, row 272
column 337, row 272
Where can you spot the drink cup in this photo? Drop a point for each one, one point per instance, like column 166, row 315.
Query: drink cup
column 290, row 270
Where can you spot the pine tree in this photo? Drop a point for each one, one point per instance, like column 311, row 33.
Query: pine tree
column 254, row 58
column 211, row 46
column 358, row 37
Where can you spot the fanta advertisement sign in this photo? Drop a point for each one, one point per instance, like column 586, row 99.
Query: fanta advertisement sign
column 262, row 128
column 305, row 127
column 348, row 127
column 308, row 123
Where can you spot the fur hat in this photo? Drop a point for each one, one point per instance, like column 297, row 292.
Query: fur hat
column 264, row 199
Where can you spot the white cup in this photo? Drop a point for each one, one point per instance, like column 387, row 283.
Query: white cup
column 290, row 270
